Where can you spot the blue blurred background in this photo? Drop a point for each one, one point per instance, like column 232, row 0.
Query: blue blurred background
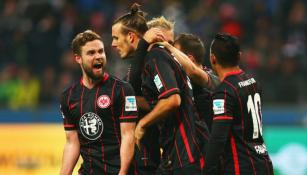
column 36, row 65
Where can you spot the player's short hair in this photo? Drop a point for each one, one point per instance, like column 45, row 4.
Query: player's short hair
column 81, row 39
column 161, row 22
column 133, row 21
column 226, row 49
column 191, row 44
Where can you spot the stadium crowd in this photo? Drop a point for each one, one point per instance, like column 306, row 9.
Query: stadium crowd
column 36, row 62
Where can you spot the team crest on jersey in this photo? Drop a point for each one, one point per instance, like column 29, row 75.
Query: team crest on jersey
column 91, row 126
column 218, row 106
column 130, row 103
column 103, row 101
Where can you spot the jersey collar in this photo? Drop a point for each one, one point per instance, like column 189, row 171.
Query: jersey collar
column 236, row 72
column 104, row 79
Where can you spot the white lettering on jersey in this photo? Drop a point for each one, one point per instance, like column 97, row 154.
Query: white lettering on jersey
column 247, row 82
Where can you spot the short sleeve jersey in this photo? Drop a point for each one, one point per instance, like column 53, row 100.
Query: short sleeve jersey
column 162, row 77
column 238, row 100
column 96, row 114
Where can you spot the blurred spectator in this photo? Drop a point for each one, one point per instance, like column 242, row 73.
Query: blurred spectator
column 26, row 91
column 38, row 33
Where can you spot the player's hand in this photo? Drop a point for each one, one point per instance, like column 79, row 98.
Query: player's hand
column 138, row 134
column 154, row 35
column 166, row 44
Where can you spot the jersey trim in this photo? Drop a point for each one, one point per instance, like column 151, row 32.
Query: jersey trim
column 185, row 140
column 235, row 155
column 167, row 92
column 223, row 118
column 236, row 72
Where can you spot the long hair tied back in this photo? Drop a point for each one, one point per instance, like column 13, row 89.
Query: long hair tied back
column 135, row 10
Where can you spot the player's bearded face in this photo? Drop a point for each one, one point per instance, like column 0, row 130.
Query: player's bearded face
column 93, row 60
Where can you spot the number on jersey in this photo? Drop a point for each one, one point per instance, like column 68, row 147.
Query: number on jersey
column 254, row 106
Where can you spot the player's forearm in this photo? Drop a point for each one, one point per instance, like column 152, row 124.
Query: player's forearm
column 195, row 73
column 70, row 157
column 126, row 151
column 162, row 109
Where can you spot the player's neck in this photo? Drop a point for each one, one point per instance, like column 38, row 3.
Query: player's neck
column 223, row 72
column 89, row 82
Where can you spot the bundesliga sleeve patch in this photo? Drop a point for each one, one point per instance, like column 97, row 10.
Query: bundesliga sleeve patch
column 130, row 103
column 158, row 82
column 218, row 106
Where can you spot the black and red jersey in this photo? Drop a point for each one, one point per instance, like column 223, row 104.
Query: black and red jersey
column 237, row 127
column 203, row 97
column 162, row 77
column 96, row 114
column 147, row 157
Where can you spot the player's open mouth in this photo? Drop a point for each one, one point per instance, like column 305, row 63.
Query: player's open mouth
column 97, row 66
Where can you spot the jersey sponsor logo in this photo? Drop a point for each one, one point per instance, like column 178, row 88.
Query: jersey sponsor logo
column 189, row 83
column 158, row 82
column 103, row 101
column 91, row 126
column 130, row 103
column 218, row 106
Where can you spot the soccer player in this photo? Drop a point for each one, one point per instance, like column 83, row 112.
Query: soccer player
column 189, row 51
column 99, row 113
column 237, row 122
column 126, row 32
column 168, row 91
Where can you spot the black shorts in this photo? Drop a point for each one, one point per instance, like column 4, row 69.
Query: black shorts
column 190, row 169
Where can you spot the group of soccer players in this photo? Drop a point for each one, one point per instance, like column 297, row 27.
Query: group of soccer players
column 171, row 115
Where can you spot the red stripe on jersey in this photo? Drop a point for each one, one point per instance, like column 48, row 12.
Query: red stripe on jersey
column 112, row 109
column 235, row 155
column 202, row 162
column 81, row 102
column 127, row 117
column 102, row 156
column 177, row 152
column 95, row 102
column 188, row 123
column 145, row 157
column 69, row 125
column 164, row 85
column 166, row 92
column 223, row 118
column 185, row 140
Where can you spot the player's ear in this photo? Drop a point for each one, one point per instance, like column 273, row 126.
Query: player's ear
column 131, row 37
column 191, row 57
column 77, row 58
column 212, row 59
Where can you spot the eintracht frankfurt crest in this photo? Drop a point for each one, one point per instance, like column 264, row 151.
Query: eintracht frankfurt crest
column 103, row 101
column 91, row 126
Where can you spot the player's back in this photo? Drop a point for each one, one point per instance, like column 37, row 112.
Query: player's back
column 163, row 77
column 245, row 151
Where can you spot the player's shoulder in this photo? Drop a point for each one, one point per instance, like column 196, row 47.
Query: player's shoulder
column 119, row 82
column 70, row 88
column 157, row 52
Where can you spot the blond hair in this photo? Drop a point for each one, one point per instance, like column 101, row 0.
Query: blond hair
column 161, row 22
